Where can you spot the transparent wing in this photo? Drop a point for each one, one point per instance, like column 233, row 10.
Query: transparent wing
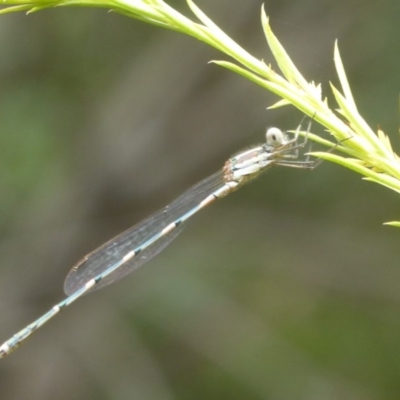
column 100, row 260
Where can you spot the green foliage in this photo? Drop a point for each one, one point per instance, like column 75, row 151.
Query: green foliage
column 366, row 152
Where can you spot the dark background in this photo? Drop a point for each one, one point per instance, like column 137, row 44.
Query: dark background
column 288, row 289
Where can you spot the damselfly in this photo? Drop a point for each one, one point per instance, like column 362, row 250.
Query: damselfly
column 134, row 247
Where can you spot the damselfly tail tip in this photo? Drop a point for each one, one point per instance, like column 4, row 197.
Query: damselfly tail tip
column 5, row 350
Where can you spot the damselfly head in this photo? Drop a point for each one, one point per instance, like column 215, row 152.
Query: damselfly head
column 275, row 137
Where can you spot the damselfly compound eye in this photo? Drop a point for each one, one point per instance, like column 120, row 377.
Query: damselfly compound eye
column 275, row 137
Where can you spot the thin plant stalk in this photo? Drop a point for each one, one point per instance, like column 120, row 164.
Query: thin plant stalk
column 365, row 151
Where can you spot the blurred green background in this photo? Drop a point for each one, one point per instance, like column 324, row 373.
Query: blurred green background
column 287, row 289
